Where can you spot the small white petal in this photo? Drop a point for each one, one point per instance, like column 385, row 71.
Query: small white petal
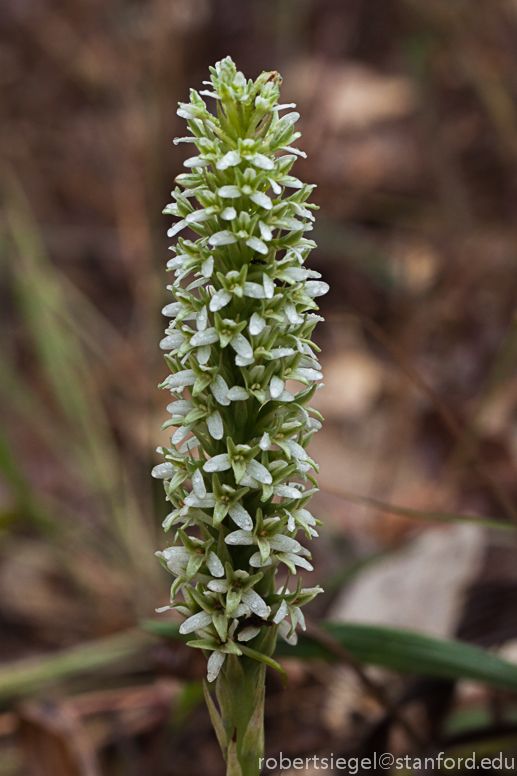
column 230, row 159
column 284, row 543
column 229, row 192
column 265, row 442
column 257, row 245
column 214, row 565
column 249, row 482
column 259, row 472
column 222, row 238
column 219, row 389
column 218, row 585
column 207, row 502
column 241, row 517
column 292, row 316
column 190, row 444
column 176, row 228
column 241, row 346
column 269, row 286
column 206, row 337
column 256, row 603
column 290, row 182
column 254, row 290
column 180, row 434
column 237, row 393
column 256, row 324
column 262, row 200
column 276, row 387
column 274, row 185
column 198, row 216
column 315, row 288
column 306, row 515
column 171, row 310
column 198, row 484
column 196, row 622
column 219, row 300
column 229, row 213
column 181, row 379
column 196, row 161
column 163, row 471
column 246, row 634
column 215, row 425
column 297, row 450
column 202, row 318
column 265, row 231
column 310, row 374
column 242, row 611
column 215, row 661
column 256, row 561
column 261, row 161
column 287, row 492
column 240, row 537
column 284, row 629
column 288, row 119
column 283, row 611
column 176, row 262
column 172, row 341
column 203, row 354
column 207, row 267
column 219, row 463
column 282, row 352
column 244, row 361
column 298, row 561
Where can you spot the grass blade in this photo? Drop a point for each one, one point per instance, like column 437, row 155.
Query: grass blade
column 400, row 650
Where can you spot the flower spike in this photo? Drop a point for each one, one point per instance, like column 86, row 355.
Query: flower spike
column 243, row 368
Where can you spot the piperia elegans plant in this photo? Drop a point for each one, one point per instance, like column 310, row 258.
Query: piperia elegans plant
column 237, row 472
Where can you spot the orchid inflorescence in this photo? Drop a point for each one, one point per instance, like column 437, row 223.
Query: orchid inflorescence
column 237, row 470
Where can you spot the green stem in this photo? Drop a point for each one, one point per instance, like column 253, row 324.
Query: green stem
column 239, row 725
column 240, row 692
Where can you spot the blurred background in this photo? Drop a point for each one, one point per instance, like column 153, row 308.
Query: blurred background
column 409, row 121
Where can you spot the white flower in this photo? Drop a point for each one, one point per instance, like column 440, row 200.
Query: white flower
column 215, row 662
column 181, row 379
column 196, row 622
column 256, row 324
column 229, row 192
column 257, row 245
column 246, row 633
column 262, row 200
column 222, row 238
column 219, row 300
column 205, row 337
column 163, row 471
column 176, row 558
column 215, row 425
column 237, row 394
column 276, row 387
column 316, row 288
column 261, row 161
column 219, row 463
column 219, row 389
column 231, row 159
